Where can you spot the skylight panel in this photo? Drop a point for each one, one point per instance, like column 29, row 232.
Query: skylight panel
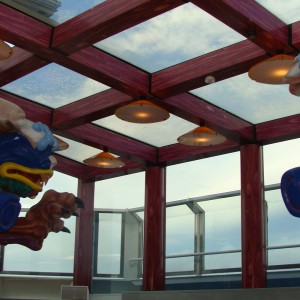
column 171, row 38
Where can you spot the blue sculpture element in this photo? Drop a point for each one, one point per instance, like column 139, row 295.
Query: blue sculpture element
column 290, row 190
column 23, row 170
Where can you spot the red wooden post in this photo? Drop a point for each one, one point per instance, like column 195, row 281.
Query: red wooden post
column 154, row 229
column 253, row 218
column 84, row 236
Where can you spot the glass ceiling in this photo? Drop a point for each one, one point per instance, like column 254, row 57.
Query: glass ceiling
column 287, row 11
column 54, row 86
column 171, row 38
column 156, row 134
column 52, row 12
column 249, row 100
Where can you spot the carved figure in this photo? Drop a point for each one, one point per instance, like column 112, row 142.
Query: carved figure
column 26, row 164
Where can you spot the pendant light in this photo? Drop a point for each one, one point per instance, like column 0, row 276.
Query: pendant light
column 143, row 112
column 104, row 160
column 201, row 136
column 272, row 70
column 5, row 50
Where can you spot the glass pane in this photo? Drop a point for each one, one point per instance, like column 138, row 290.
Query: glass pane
column 157, row 134
column 170, row 38
column 287, row 11
column 222, row 232
column 52, row 12
column 278, row 158
column 54, row 86
column 252, row 101
column 56, row 255
column 78, row 151
column 121, row 192
column 180, row 264
column 203, row 177
column 284, row 256
column 283, row 228
column 59, row 182
column 222, row 261
column 109, row 243
column 180, row 238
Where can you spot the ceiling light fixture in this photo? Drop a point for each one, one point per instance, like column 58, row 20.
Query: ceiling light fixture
column 104, row 160
column 272, row 70
column 142, row 111
column 201, row 136
column 5, row 50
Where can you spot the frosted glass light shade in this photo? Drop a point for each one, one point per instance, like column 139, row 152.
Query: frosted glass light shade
column 104, row 160
column 201, row 136
column 142, row 111
column 272, row 70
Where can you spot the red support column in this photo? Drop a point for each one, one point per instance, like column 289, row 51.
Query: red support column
column 84, row 236
column 253, row 218
column 154, row 229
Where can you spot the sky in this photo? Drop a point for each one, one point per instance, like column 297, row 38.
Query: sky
column 181, row 34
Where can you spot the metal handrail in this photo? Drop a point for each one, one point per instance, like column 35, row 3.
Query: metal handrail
column 218, row 252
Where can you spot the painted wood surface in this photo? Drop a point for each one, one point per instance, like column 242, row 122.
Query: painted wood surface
column 154, row 229
column 83, row 256
column 253, row 218
column 89, row 109
column 222, row 64
column 251, row 20
column 105, row 20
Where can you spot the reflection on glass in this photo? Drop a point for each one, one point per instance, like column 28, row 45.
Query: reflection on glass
column 109, row 243
column 252, row 101
column 54, row 86
column 278, row 158
column 53, row 12
column 173, row 37
column 56, row 256
column 222, row 261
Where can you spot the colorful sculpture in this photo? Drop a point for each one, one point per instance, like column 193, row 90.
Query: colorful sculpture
column 26, row 164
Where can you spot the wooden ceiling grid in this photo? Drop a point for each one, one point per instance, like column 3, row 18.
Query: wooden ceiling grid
column 71, row 45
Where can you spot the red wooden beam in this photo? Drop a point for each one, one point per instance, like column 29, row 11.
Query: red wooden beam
column 19, row 64
column 34, row 36
column 88, row 109
column 253, row 218
column 278, row 130
column 192, row 108
column 84, row 172
column 222, row 64
column 22, row 30
column 296, row 34
column 34, row 112
column 83, row 255
column 105, row 20
column 252, row 21
column 99, row 137
column 154, row 230
column 178, row 153
column 109, row 70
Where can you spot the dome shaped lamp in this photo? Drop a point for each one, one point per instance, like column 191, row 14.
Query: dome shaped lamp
column 272, row 70
column 143, row 112
column 104, row 160
column 201, row 136
column 5, row 50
